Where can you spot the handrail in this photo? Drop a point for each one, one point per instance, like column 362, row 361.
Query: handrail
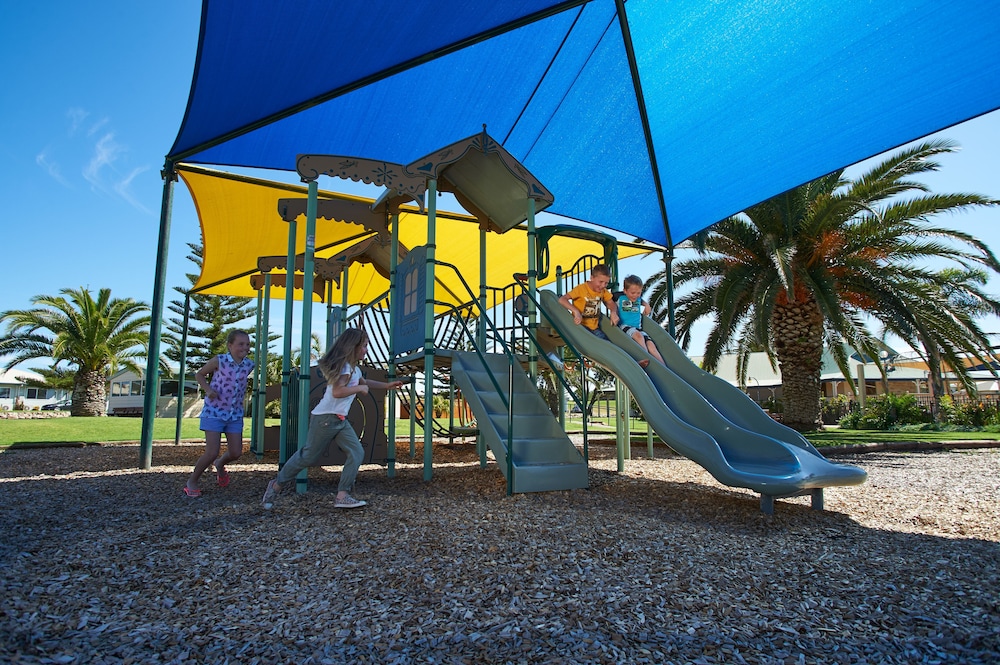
column 511, row 361
column 569, row 345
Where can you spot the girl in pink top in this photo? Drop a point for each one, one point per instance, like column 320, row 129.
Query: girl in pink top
column 223, row 410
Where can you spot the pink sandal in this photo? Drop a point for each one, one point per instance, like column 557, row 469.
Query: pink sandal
column 194, row 494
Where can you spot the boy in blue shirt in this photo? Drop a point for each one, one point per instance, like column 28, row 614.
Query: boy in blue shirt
column 631, row 308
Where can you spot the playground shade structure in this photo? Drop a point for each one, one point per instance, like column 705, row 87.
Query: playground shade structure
column 705, row 418
column 652, row 118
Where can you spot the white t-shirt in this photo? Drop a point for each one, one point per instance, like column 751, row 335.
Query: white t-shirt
column 338, row 405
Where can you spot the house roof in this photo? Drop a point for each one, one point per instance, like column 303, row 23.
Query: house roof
column 760, row 373
column 16, row 377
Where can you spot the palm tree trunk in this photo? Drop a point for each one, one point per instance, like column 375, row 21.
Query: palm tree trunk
column 934, row 378
column 798, row 341
column 90, row 393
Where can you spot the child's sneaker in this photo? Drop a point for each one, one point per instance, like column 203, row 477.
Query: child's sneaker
column 349, row 502
column 270, row 495
column 555, row 361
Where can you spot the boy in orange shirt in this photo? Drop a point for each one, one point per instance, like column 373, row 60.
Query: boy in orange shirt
column 584, row 301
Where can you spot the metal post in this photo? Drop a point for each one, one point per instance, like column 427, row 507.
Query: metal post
column 413, row 420
column 262, row 359
column 182, row 370
column 429, row 329
column 451, row 409
column 627, row 420
column 286, row 360
column 862, row 386
column 510, row 428
column 619, row 427
column 258, row 368
column 342, row 324
column 156, row 318
column 330, row 326
column 533, row 350
column 305, row 369
column 668, row 279
column 559, row 385
column 481, row 332
column 393, row 219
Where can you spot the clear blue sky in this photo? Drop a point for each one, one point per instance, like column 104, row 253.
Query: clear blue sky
column 93, row 95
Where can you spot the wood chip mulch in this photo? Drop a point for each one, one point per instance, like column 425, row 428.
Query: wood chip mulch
column 101, row 562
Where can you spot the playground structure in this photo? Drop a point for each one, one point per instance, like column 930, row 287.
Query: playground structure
column 485, row 347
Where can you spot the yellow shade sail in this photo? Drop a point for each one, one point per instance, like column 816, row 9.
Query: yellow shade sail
column 241, row 222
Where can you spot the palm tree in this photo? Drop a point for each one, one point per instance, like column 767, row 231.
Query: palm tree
column 808, row 267
column 97, row 336
column 966, row 300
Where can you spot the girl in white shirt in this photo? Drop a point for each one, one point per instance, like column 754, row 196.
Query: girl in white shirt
column 329, row 424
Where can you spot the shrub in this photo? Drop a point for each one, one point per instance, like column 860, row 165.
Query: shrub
column 773, row 405
column 886, row 411
column 834, row 408
column 972, row 414
column 273, row 409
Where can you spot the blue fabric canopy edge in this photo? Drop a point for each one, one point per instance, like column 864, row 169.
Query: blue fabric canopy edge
column 742, row 100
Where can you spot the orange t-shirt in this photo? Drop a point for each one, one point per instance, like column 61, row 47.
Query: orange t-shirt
column 588, row 302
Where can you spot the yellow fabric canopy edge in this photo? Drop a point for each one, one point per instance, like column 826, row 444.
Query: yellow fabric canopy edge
column 240, row 221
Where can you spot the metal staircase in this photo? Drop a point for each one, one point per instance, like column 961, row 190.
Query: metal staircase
column 544, row 458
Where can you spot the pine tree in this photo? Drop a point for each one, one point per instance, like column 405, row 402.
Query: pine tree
column 209, row 321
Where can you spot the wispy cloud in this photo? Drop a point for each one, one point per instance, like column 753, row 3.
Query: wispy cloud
column 76, row 117
column 103, row 171
column 124, row 189
column 97, row 126
column 51, row 167
column 106, row 153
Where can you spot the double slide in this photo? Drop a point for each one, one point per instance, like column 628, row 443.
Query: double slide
column 705, row 418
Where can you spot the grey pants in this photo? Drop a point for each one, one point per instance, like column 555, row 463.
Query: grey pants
column 324, row 429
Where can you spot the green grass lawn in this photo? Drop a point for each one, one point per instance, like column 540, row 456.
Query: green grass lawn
column 92, row 430
column 100, row 430
column 846, row 437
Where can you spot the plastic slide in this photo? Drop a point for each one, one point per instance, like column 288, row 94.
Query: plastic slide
column 739, row 445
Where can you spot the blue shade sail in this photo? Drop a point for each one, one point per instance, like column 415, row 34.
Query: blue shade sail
column 740, row 100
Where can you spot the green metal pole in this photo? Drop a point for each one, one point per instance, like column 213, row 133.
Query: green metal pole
column 343, row 300
column 429, row 329
column 451, row 409
column 413, row 420
column 668, row 277
column 182, row 370
column 559, row 385
column 620, row 427
column 329, row 314
column 305, row 369
column 156, row 319
column 258, row 368
column 532, row 278
column 286, row 360
column 510, row 428
column 627, row 420
column 393, row 219
column 262, row 360
column 480, row 440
